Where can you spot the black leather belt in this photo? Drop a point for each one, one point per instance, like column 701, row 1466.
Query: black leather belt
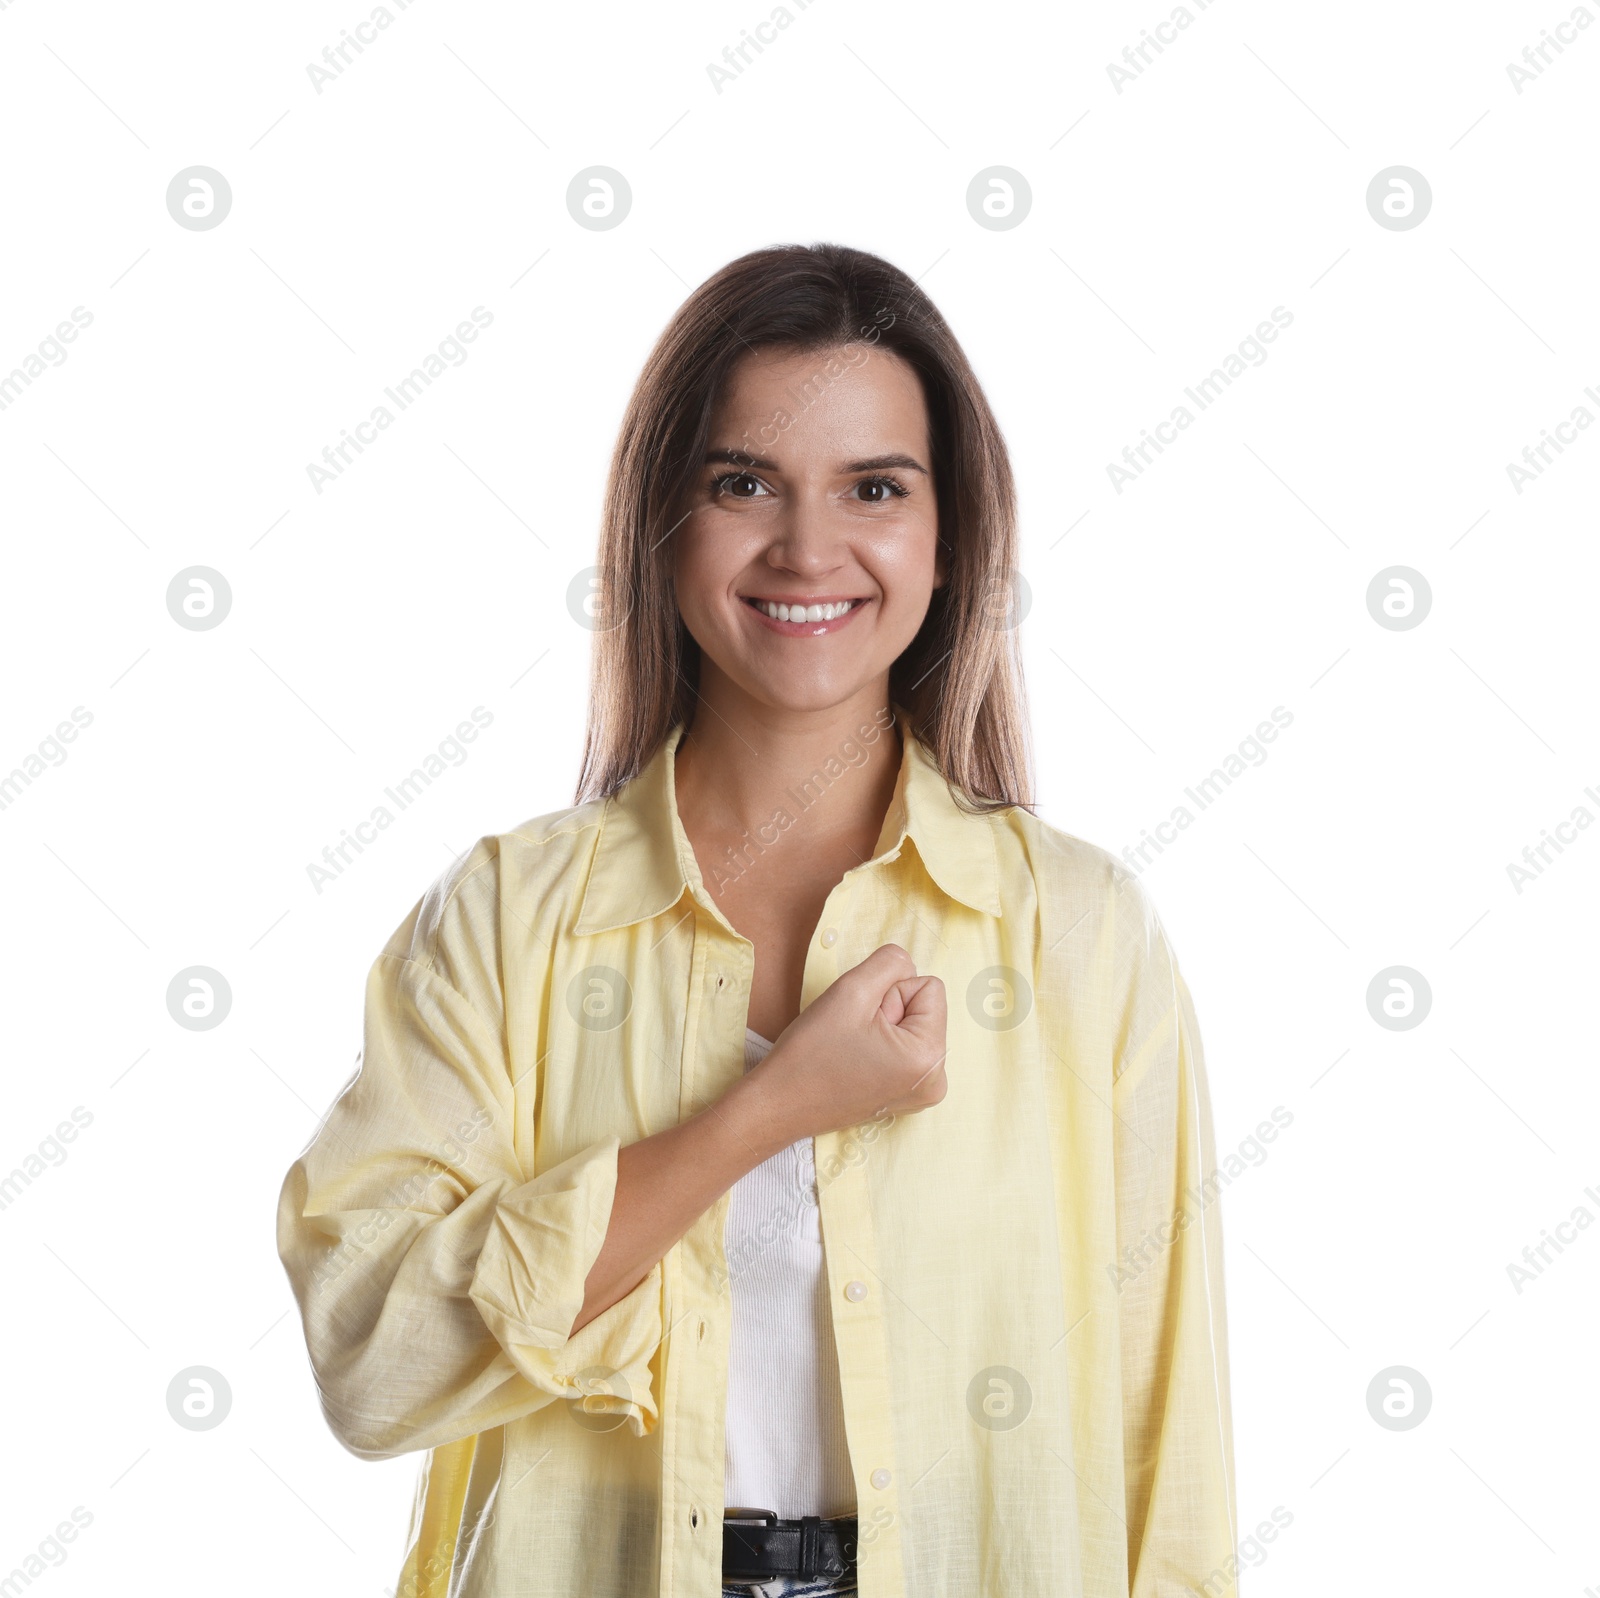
column 756, row 1545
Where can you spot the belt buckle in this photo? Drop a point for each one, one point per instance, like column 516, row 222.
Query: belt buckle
column 770, row 1516
column 735, row 1516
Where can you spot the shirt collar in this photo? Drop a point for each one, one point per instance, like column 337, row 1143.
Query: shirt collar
column 643, row 861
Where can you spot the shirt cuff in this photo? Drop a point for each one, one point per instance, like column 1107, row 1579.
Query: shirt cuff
column 542, row 1243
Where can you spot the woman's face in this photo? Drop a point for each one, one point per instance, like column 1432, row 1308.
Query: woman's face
column 816, row 491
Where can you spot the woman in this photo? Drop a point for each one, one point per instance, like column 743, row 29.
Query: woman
column 783, row 1173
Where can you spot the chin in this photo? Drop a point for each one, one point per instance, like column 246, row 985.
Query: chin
column 800, row 698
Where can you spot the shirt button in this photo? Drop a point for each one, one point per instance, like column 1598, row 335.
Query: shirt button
column 881, row 1479
column 855, row 1291
column 829, row 937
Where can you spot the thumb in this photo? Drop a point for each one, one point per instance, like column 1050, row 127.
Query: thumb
column 915, row 1004
column 892, row 1006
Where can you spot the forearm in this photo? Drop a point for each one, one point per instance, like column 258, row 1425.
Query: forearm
column 666, row 1182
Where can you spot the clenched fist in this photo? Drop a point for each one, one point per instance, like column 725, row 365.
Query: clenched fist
column 874, row 1041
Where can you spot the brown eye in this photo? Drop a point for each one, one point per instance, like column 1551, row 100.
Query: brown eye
column 738, row 485
column 880, row 490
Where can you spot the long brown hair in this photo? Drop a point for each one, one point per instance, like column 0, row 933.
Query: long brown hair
column 960, row 679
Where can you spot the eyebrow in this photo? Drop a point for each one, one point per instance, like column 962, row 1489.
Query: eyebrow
column 872, row 463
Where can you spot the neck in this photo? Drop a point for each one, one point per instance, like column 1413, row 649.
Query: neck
column 741, row 763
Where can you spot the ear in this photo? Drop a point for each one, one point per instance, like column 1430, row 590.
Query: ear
column 941, row 567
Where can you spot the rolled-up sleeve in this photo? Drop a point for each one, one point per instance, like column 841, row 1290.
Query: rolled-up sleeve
column 1177, row 1429
column 437, row 1282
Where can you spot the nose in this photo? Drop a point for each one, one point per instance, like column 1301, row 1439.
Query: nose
column 806, row 539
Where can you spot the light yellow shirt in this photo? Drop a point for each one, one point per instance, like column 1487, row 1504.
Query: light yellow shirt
column 1026, row 1279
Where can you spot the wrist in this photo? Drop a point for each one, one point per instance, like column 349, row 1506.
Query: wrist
column 759, row 1111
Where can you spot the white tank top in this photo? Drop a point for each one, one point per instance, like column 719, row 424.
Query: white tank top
column 785, row 1417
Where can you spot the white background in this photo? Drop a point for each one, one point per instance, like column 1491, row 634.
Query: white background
column 1167, row 220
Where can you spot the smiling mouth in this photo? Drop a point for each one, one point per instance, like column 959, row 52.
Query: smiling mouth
column 803, row 619
column 827, row 610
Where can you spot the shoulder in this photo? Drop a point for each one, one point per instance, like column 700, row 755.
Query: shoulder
column 1101, row 950
column 1087, row 898
column 523, row 884
column 1071, row 872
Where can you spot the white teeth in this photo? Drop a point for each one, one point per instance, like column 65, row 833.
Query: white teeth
column 778, row 612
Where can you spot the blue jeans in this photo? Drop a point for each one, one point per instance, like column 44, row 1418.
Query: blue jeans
column 794, row 1587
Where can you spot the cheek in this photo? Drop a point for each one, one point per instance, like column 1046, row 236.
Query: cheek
column 693, row 562
column 905, row 561
column 707, row 559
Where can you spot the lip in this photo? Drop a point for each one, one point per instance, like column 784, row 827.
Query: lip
column 804, row 629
